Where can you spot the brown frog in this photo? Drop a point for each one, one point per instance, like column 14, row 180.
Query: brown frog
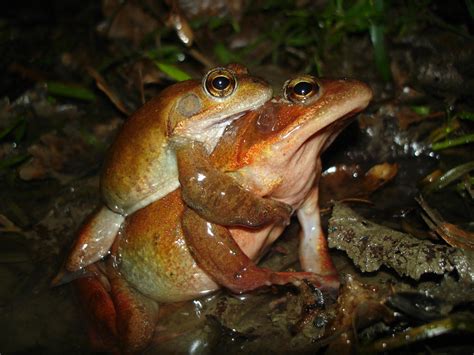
column 141, row 164
column 173, row 251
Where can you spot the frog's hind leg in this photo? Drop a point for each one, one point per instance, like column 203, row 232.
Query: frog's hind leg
column 120, row 319
column 136, row 314
column 94, row 239
column 314, row 253
column 94, row 296
column 217, row 253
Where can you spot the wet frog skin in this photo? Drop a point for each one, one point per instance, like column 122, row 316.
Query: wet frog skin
column 275, row 153
column 141, row 164
column 169, row 251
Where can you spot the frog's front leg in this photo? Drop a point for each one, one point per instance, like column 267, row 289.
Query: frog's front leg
column 94, row 239
column 217, row 253
column 220, row 199
column 314, row 253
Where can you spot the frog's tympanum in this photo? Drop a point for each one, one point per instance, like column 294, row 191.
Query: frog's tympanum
column 141, row 166
column 179, row 248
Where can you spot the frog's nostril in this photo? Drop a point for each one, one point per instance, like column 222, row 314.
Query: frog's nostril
column 259, row 81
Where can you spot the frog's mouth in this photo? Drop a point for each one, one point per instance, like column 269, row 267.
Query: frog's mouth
column 337, row 127
column 343, row 100
column 323, row 137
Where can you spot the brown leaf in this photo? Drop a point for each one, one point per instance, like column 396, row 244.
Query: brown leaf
column 406, row 117
column 51, row 155
column 127, row 20
column 349, row 181
column 107, row 90
column 219, row 8
column 177, row 20
column 451, row 234
column 358, row 306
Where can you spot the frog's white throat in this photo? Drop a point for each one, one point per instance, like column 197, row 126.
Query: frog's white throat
column 209, row 133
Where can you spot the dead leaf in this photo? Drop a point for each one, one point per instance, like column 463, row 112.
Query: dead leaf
column 370, row 246
column 451, row 234
column 178, row 21
column 127, row 20
column 349, row 181
column 107, row 90
column 406, row 117
column 358, row 306
column 218, row 8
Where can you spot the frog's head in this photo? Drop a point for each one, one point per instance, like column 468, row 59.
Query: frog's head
column 312, row 110
column 201, row 110
column 276, row 148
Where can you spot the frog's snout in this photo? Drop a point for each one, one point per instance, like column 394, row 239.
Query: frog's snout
column 257, row 80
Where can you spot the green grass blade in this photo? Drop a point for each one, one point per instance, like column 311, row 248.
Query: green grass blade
column 172, row 71
column 12, row 161
column 70, row 91
column 448, row 143
column 377, row 36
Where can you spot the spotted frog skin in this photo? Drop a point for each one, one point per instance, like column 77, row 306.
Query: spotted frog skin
column 141, row 165
column 174, row 250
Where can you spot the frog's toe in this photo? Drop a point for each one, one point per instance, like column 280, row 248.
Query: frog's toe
column 329, row 284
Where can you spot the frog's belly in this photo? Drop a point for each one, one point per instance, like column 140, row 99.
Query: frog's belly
column 163, row 279
column 154, row 256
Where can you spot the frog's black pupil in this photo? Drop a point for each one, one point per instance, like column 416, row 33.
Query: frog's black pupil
column 303, row 88
column 220, row 82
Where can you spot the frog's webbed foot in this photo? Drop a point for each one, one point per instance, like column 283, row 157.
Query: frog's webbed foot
column 219, row 198
column 120, row 319
column 94, row 239
column 217, row 253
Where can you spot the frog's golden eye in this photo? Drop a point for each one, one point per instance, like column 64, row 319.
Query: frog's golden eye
column 220, row 82
column 301, row 89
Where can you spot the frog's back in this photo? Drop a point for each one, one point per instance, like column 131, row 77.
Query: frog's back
column 140, row 167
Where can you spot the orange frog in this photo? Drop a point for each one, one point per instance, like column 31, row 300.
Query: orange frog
column 141, row 165
column 210, row 232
